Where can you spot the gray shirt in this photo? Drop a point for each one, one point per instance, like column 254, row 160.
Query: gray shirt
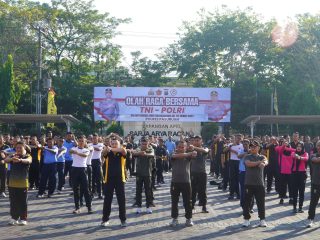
column 198, row 164
column 315, row 170
column 181, row 170
column 145, row 164
column 254, row 175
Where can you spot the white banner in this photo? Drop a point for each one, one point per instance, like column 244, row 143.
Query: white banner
column 156, row 104
column 161, row 129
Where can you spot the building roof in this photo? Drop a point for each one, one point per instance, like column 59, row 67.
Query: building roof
column 37, row 118
column 282, row 119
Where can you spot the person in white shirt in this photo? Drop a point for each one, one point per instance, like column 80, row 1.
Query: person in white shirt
column 96, row 166
column 235, row 149
column 79, row 177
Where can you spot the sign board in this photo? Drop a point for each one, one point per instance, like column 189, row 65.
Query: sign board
column 158, row 104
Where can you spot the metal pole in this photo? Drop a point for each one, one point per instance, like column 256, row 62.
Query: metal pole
column 271, row 125
column 38, row 94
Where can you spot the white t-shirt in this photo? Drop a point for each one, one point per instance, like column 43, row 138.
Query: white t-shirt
column 238, row 149
column 79, row 161
column 97, row 154
column 89, row 158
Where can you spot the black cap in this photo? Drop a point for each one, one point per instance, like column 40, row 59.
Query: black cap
column 108, row 90
column 69, row 132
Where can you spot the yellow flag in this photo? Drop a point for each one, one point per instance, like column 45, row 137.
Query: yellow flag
column 52, row 108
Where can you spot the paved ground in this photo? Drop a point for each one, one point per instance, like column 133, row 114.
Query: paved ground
column 53, row 219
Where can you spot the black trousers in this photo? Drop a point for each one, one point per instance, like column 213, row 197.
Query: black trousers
column 60, row 170
column 114, row 184
column 3, row 177
column 234, row 177
column 175, row 190
column 258, row 192
column 18, row 203
column 199, row 187
column 315, row 194
column 80, row 180
column 48, row 176
column 284, row 182
column 225, row 175
column 270, row 174
column 96, row 176
column 217, row 164
column 34, row 174
column 67, row 169
column 159, row 166
column 129, row 165
column 146, row 182
column 298, row 180
column 89, row 176
column 166, row 165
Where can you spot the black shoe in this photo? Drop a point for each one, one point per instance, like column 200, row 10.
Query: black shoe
column 230, row 197
column 90, row 211
column 100, row 197
column 300, row 210
column 81, row 204
column 251, row 211
column 205, row 210
column 290, row 201
column 281, row 201
column 49, row 195
column 294, row 211
column 238, row 197
column 152, row 205
column 134, row 205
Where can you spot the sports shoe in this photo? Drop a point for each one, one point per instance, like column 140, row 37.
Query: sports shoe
column 149, row 210
column 105, row 224
column 205, row 210
column 22, row 222
column 123, row 224
column 138, row 211
column 310, row 223
column 90, row 211
column 246, row 223
column 3, row 194
column 76, row 211
column 189, row 222
column 174, row 222
column 40, row 196
column 281, row 201
column 263, row 223
column 58, row 192
column 13, row 222
column 194, row 211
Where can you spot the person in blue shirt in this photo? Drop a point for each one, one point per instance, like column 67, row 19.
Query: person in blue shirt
column 48, row 169
column 60, row 163
column 69, row 143
column 171, row 148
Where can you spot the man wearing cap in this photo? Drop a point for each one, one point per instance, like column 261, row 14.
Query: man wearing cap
column 254, row 183
column 109, row 107
column 215, row 109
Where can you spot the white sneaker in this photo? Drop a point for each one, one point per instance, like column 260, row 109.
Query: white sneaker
column 13, row 222
column 3, row 194
column 138, row 211
column 310, row 223
column 189, row 223
column 246, row 223
column 105, row 224
column 263, row 223
column 149, row 210
column 22, row 222
column 76, row 211
column 194, row 211
column 174, row 222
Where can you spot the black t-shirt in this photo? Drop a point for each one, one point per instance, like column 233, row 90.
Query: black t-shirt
column 114, row 164
column 161, row 151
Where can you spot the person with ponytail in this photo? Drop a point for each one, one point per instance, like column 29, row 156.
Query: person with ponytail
column 298, row 178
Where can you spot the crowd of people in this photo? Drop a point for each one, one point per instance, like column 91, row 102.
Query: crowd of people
column 97, row 166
